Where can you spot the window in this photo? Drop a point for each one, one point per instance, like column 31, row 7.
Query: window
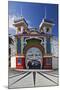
column 19, row 29
column 47, row 30
column 49, row 61
column 19, row 61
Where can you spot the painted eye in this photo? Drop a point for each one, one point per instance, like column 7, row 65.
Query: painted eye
column 30, row 55
column 36, row 54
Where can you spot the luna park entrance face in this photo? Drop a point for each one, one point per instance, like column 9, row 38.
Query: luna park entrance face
column 33, row 58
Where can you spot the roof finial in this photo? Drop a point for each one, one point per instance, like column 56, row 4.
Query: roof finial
column 45, row 13
column 21, row 17
column 21, row 11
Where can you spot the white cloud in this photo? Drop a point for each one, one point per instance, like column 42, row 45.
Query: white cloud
column 12, row 29
column 11, row 21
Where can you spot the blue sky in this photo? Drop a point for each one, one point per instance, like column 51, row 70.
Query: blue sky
column 33, row 13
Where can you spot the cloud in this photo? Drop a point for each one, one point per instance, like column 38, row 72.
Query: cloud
column 12, row 29
column 29, row 26
column 11, row 21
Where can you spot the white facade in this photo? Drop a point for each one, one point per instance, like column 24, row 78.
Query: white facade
column 13, row 54
column 13, row 48
column 13, row 62
column 55, row 53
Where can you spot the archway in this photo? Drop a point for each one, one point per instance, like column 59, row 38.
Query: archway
column 34, row 56
column 33, row 52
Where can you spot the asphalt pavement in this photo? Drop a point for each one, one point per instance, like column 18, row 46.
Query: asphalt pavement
column 32, row 78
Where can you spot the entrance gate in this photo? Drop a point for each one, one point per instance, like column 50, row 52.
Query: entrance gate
column 33, row 52
column 33, row 58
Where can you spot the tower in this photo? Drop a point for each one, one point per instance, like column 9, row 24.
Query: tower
column 21, row 27
column 46, row 29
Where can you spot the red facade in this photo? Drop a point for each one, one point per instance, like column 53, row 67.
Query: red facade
column 47, row 63
column 20, row 65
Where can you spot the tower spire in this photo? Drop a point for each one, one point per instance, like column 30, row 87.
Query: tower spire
column 21, row 14
column 21, row 11
column 45, row 13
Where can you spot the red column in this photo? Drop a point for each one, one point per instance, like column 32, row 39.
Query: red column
column 23, row 62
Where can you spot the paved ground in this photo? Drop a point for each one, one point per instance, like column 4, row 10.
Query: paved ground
column 18, row 79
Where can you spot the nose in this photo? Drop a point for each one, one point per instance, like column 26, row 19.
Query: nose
column 33, row 56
